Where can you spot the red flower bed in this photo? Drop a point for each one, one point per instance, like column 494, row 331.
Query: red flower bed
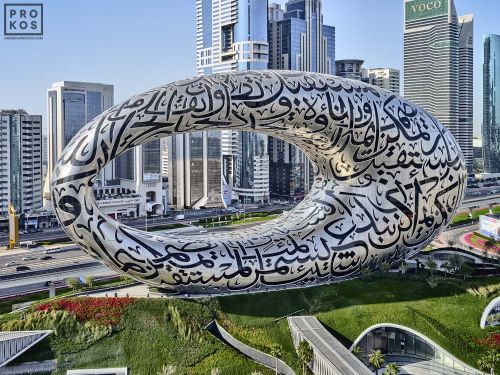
column 492, row 341
column 106, row 311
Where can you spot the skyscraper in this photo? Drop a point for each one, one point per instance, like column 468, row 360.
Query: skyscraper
column 491, row 103
column 20, row 161
column 385, row 78
column 231, row 35
column 438, row 67
column 71, row 105
column 349, row 68
column 298, row 40
column 466, row 89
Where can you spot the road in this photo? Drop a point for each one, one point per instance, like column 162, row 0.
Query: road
column 454, row 234
column 140, row 223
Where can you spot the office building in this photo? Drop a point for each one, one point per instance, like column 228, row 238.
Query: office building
column 491, row 103
column 298, row 40
column 349, row 68
column 465, row 133
column 385, row 78
column 231, row 35
column 437, row 52
column 71, row 105
column 20, row 161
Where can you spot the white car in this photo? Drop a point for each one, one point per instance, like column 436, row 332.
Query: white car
column 28, row 257
column 203, row 231
column 10, row 264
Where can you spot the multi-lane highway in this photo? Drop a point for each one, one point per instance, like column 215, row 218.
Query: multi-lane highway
column 142, row 223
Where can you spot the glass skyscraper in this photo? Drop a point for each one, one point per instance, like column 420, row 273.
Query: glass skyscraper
column 20, row 161
column 491, row 103
column 438, row 66
column 71, row 105
column 298, row 40
column 231, row 35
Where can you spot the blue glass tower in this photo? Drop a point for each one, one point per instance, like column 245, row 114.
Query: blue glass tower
column 491, row 103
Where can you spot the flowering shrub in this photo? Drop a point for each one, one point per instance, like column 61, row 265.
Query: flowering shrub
column 492, row 341
column 105, row 311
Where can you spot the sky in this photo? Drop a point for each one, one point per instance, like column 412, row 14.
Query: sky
column 140, row 44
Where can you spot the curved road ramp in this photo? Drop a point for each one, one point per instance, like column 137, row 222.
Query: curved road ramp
column 262, row 358
column 330, row 357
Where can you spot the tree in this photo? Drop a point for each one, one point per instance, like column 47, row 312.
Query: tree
column 489, row 245
column 455, row 262
column 385, row 267
column 391, row 369
column 277, row 352
column 89, row 280
column 403, row 267
column 466, row 270
column 447, row 267
column 376, row 359
column 73, row 283
column 431, row 265
column 215, row 371
column 488, row 361
column 357, row 352
column 167, row 370
column 451, row 243
column 305, row 354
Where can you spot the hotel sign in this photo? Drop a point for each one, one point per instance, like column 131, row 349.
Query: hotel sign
column 419, row 9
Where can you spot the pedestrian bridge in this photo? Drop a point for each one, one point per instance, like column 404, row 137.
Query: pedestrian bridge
column 330, row 357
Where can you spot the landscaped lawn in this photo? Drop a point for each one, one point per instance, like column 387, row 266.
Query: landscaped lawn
column 478, row 241
column 464, row 216
column 448, row 313
column 150, row 335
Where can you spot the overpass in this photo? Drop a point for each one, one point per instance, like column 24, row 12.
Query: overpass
column 477, row 202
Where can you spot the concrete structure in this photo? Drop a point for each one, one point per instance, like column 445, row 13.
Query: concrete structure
column 490, row 315
column 119, row 202
column 345, row 223
column 298, row 40
column 438, row 66
column 330, row 357
column 411, row 350
column 13, row 344
column 20, row 161
column 349, row 68
column 231, row 35
column 385, row 78
column 491, row 103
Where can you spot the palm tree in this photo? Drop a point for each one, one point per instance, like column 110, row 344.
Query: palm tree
column 489, row 244
column 431, row 265
column 391, row 369
column 277, row 352
column 167, row 370
column 488, row 361
column 305, row 354
column 376, row 359
column 356, row 351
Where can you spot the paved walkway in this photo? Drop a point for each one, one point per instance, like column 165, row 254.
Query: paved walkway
column 262, row 358
column 329, row 355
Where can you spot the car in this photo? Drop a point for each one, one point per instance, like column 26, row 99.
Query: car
column 46, row 257
column 203, row 231
column 28, row 257
column 10, row 264
column 22, row 268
